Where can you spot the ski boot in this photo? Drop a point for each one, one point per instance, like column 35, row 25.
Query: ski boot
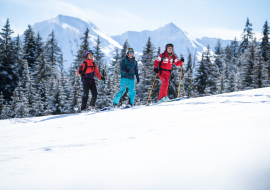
column 164, row 99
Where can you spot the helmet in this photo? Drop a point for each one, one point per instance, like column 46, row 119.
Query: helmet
column 130, row 50
column 169, row 45
column 89, row 51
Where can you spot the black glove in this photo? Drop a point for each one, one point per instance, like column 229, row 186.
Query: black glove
column 138, row 80
column 102, row 78
column 127, row 70
column 182, row 59
column 156, row 70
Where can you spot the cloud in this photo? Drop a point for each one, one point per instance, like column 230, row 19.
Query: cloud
column 223, row 33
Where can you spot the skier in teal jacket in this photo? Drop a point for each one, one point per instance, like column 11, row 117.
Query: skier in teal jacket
column 128, row 68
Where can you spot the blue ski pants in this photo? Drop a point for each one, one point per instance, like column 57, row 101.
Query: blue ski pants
column 123, row 85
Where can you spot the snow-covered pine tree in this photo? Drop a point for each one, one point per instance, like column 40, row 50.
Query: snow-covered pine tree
column 213, row 73
column 265, row 47
column 201, row 76
column 25, row 77
column 29, row 47
column 5, row 111
column 144, row 87
column 75, row 97
column 84, row 47
column 43, row 69
column 246, row 36
column 19, row 55
column 235, row 48
column 9, row 70
column 38, row 107
column 248, row 65
column 57, row 98
column 67, row 90
column 158, row 52
column 115, row 61
column 97, row 51
column 188, row 80
column 218, row 55
column 39, row 45
column 218, row 47
column 22, row 106
column 259, row 72
column 30, row 94
column 53, row 53
column 2, row 100
column 104, row 98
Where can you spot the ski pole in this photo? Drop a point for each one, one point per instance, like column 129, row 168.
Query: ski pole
column 180, row 81
column 151, row 89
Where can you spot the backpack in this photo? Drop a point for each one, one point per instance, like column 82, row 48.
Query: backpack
column 85, row 67
column 159, row 68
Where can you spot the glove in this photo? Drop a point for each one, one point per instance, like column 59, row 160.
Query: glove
column 182, row 59
column 102, row 78
column 156, row 70
column 138, row 80
column 127, row 70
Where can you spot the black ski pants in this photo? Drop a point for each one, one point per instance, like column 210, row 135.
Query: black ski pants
column 86, row 88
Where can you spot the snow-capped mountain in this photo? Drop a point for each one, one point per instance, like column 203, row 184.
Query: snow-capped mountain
column 212, row 42
column 170, row 33
column 69, row 30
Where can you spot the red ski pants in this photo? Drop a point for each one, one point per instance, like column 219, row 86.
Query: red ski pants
column 164, row 77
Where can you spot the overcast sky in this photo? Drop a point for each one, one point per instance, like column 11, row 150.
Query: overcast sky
column 211, row 18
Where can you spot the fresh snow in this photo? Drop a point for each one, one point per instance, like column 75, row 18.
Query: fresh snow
column 217, row 142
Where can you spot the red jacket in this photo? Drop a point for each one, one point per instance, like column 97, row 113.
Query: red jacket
column 90, row 71
column 167, row 63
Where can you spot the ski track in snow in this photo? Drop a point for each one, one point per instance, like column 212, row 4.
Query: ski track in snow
column 217, row 142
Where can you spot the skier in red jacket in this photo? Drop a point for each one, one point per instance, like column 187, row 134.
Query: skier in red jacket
column 163, row 66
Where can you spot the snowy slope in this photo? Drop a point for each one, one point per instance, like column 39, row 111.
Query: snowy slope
column 212, row 143
column 69, row 30
column 169, row 33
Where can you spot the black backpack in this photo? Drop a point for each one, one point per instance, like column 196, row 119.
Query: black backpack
column 159, row 68
column 85, row 67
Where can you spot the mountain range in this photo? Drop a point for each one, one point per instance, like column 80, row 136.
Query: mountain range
column 69, row 30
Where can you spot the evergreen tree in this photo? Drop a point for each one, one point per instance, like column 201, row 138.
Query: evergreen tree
column 144, row 87
column 188, row 80
column 19, row 56
column 1, row 103
column 116, row 60
column 259, row 73
column 30, row 94
column 38, row 107
column 75, row 97
column 53, row 53
column 43, row 69
column 9, row 71
column 248, row 65
column 97, row 51
column 30, row 48
column 218, row 48
column 158, row 52
column 39, row 45
column 201, row 76
column 57, row 98
column 234, row 48
column 19, row 107
column 246, row 36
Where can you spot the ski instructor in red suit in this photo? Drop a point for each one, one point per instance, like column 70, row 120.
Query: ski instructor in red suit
column 163, row 66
